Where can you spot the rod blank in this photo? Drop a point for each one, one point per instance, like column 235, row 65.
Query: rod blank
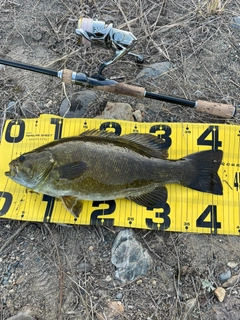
column 29, row 67
column 68, row 76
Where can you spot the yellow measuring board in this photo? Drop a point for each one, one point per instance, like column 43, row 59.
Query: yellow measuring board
column 186, row 210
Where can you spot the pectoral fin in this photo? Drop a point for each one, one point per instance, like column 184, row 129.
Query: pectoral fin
column 153, row 199
column 71, row 170
column 73, row 205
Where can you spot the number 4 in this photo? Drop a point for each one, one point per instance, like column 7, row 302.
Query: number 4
column 213, row 142
column 212, row 223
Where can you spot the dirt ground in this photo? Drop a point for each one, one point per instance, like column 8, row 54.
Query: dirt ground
column 65, row 272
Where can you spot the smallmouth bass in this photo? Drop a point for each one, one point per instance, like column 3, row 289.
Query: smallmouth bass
column 98, row 165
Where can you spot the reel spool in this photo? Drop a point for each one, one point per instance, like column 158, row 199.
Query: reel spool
column 102, row 34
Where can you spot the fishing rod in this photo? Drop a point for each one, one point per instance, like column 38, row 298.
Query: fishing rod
column 121, row 42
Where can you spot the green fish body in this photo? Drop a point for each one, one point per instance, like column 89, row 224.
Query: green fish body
column 102, row 166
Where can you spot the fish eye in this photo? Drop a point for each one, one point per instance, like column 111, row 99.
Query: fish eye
column 22, row 158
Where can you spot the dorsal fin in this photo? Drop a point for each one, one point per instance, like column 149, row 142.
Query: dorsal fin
column 153, row 145
column 98, row 133
column 144, row 143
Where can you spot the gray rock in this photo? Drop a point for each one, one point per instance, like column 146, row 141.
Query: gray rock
column 224, row 276
column 79, row 103
column 117, row 110
column 129, row 257
column 236, row 22
column 5, row 280
column 154, row 70
column 119, row 296
column 232, row 281
column 21, row 316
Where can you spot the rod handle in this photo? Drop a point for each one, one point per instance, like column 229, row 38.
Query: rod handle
column 68, row 76
column 122, row 88
column 217, row 109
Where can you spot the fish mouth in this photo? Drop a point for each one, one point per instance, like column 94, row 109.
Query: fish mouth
column 13, row 171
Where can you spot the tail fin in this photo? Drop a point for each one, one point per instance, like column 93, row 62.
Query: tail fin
column 203, row 176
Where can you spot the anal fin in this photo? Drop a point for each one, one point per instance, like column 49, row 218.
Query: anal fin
column 153, row 199
column 73, row 205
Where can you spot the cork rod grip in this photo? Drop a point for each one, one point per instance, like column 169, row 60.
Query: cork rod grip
column 217, row 109
column 122, row 88
column 67, row 76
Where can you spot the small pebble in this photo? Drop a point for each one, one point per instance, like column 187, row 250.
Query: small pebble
column 198, row 93
column 115, row 308
column 138, row 115
column 232, row 281
column 154, row 70
column 49, row 104
column 225, row 276
column 236, row 22
column 2, row 67
column 119, row 295
column 232, row 264
column 154, row 283
column 139, row 281
column 90, row 248
column 108, row 278
column 220, row 294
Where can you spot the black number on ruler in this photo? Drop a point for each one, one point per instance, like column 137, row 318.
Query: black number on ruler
column 7, row 203
column 237, row 181
column 211, row 212
column 164, row 215
column 113, row 125
column 166, row 135
column 49, row 208
column 21, row 131
column 213, row 142
column 58, row 127
column 94, row 220
column 51, row 200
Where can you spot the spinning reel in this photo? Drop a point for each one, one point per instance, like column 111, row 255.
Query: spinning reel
column 102, row 34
